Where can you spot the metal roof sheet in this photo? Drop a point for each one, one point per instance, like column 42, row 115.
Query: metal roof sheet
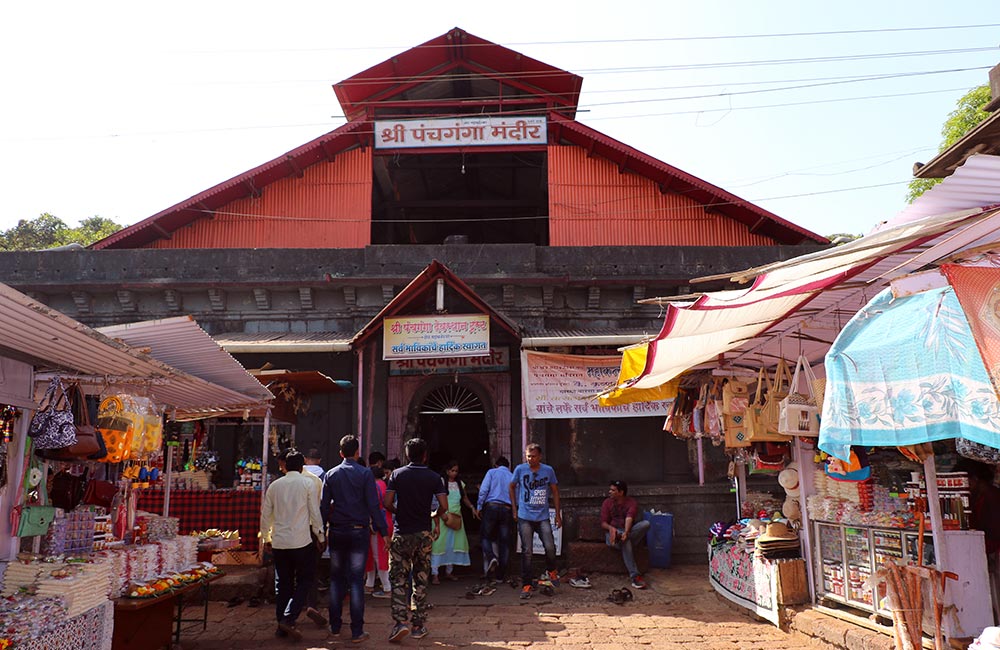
column 183, row 344
column 550, row 338
column 975, row 184
column 49, row 340
column 284, row 342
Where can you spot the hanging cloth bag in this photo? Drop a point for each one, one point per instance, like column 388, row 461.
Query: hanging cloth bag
column 775, row 393
column 31, row 519
column 799, row 415
column 116, row 428
column 52, row 425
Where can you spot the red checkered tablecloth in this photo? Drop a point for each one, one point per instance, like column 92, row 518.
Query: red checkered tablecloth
column 203, row 509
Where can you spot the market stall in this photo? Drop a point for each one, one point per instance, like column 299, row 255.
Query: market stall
column 861, row 514
column 81, row 422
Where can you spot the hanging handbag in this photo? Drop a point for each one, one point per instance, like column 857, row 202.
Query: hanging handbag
column 776, row 392
column 52, row 425
column 976, row 451
column 35, row 520
column 758, row 426
column 453, row 521
column 100, row 493
column 89, row 443
column 116, row 428
column 67, row 489
column 799, row 415
column 735, row 397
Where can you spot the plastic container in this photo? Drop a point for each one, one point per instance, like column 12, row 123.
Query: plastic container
column 660, row 539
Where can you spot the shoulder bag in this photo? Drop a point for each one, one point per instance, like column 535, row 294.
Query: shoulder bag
column 776, row 392
column 52, row 425
column 89, row 444
column 799, row 415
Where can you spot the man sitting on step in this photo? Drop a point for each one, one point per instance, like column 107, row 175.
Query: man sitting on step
column 619, row 513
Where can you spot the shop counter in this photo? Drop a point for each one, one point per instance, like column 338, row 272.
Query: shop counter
column 762, row 586
column 90, row 630
column 144, row 623
column 204, row 509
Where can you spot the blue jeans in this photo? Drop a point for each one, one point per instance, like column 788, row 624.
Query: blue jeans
column 348, row 555
column 294, row 570
column 527, row 529
column 495, row 529
column 638, row 533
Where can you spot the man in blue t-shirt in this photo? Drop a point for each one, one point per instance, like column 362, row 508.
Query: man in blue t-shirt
column 529, row 493
column 409, row 493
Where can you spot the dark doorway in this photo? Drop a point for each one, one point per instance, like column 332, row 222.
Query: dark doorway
column 457, row 436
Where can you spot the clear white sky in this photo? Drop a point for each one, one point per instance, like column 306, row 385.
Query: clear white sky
column 122, row 109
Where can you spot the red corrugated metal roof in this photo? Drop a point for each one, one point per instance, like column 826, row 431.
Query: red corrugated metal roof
column 200, row 205
column 757, row 219
column 425, row 282
column 457, row 49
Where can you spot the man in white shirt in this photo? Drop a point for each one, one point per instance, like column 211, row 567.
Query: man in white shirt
column 289, row 521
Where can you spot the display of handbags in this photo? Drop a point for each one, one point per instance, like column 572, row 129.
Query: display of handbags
column 89, row 444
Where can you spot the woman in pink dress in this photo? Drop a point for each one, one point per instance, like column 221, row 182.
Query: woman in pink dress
column 378, row 559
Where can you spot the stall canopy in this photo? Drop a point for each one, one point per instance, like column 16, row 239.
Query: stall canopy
column 798, row 306
column 50, row 341
column 183, row 344
column 905, row 370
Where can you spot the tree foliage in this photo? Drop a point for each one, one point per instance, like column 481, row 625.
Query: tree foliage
column 967, row 115
column 48, row 230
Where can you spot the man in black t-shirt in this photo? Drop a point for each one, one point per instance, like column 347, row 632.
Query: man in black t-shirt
column 409, row 491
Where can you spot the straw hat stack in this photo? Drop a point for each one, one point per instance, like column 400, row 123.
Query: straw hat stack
column 778, row 541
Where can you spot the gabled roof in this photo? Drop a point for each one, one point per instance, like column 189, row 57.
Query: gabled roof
column 452, row 54
column 756, row 218
column 424, row 282
column 440, row 59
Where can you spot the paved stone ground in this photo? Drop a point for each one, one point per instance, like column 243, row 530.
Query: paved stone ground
column 679, row 610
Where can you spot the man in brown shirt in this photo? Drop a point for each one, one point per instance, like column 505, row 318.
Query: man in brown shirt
column 619, row 513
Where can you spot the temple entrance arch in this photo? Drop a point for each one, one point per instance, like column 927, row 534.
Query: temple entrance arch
column 457, row 419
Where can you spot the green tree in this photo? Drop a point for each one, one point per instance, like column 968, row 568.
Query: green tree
column 48, row 230
column 967, row 114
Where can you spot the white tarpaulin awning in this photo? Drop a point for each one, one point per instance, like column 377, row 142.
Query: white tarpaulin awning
column 799, row 305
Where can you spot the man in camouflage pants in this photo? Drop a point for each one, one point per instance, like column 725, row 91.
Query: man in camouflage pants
column 411, row 490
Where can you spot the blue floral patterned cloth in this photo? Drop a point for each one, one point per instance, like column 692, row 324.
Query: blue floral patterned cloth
column 905, row 371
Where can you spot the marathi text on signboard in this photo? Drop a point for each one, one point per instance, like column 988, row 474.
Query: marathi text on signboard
column 432, row 337
column 498, row 360
column 460, row 131
column 564, row 386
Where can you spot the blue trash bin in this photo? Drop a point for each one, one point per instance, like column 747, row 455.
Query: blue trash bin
column 660, row 539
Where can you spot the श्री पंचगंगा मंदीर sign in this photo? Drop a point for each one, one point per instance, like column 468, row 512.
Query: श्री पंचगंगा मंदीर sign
column 430, row 337
column 461, row 131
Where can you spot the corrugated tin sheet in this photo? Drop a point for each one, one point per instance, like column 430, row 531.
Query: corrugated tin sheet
column 50, row 340
column 285, row 342
column 329, row 207
column 975, row 184
column 549, row 338
column 592, row 204
column 181, row 343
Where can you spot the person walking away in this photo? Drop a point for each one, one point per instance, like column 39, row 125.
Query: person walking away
column 619, row 513
column 289, row 519
column 451, row 548
column 313, row 459
column 495, row 513
column 378, row 558
column 530, row 487
column 322, row 572
column 352, row 511
column 409, row 492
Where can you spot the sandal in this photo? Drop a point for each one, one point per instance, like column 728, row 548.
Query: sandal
column 451, row 577
column 626, row 594
column 617, row 596
column 435, row 580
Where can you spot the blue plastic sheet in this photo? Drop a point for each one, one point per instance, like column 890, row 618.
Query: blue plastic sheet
column 905, row 371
